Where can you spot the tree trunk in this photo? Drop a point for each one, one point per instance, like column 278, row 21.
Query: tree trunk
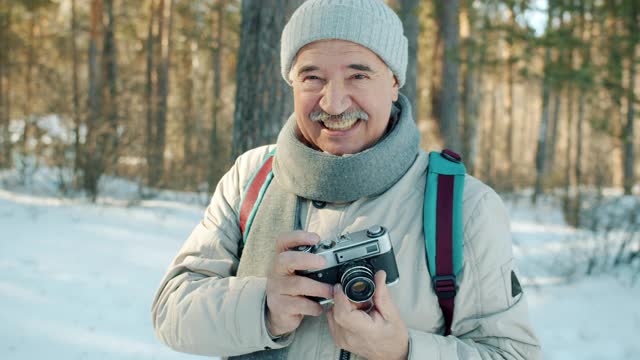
column 188, row 113
column 553, row 133
column 27, row 112
column 542, row 131
column 629, row 138
column 5, row 85
column 544, row 121
column 409, row 11
column 92, row 149
column 449, row 96
column 490, row 137
column 570, row 131
column 472, row 85
column 470, row 97
column 148, row 93
column 583, row 93
column 614, row 75
column 4, row 118
column 162, row 92
column 157, row 123
column 76, row 91
column 111, row 77
column 263, row 98
column 510, row 111
column 213, row 169
column 570, row 88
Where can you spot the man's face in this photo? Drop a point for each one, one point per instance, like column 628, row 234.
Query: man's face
column 336, row 77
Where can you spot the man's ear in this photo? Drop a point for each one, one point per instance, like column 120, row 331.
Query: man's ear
column 396, row 88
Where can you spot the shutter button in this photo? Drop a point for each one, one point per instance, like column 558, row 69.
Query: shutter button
column 374, row 231
column 327, row 244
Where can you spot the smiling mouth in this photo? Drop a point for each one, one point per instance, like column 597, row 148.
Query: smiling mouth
column 339, row 124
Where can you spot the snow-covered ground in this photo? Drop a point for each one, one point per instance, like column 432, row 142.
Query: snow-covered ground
column 576, row 317
column 77, row 279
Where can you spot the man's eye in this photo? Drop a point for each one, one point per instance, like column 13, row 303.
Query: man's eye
column 311, row 77
column 360, row 76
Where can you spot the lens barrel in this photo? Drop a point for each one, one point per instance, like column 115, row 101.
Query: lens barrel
column 358, row 284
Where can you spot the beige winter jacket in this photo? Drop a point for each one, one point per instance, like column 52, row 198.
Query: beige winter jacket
column 202, row 308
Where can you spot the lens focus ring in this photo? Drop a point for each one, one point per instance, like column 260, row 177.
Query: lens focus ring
column 358, row 284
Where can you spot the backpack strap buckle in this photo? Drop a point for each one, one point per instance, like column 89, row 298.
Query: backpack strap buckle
column 451, row 156
column 444, row 286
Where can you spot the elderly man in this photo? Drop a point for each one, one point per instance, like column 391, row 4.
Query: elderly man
column 346, row 160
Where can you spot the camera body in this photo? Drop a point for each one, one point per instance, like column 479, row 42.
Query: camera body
column 352, row 259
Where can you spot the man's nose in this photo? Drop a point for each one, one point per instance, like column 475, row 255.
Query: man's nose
column 335, row 99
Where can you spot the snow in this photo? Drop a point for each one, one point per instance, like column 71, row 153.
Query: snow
column 77, row 279
column 575, row 316
column 53, row 128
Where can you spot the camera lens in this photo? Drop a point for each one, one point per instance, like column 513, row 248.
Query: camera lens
column 358, row 284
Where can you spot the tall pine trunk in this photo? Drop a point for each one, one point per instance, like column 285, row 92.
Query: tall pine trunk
column 510, row 111
column 216, row 56
column 188, row 120
column 27, row 111
column 574, row 216
column 544, row 121
column 553, row 130
column 165, row 15
column 476, row 53
column 567, row 170
column 409, row 11
column 449, row 98
column 91, row 154
column 542, row 131
column 263, row 99
column 150, row 102
column 629, row 137
column 489, row 139
column 5, row 85
column 77, row 121
column 110, row 70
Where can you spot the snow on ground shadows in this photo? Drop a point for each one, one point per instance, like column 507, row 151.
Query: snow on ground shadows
column 575, row 316
column 77, row 279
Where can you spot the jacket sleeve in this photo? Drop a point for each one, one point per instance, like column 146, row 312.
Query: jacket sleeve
column 490, row 318
column 201, row 307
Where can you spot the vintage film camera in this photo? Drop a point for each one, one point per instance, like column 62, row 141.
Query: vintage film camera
column 352, row 260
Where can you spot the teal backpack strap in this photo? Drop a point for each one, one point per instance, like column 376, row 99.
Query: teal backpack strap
column 252, row 196
column 443, row 226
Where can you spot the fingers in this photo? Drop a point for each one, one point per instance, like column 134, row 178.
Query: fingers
column 346, row 313
column 288, row 262
column 302, row 286
column 381, row 298
column 285, row 313
column 289, row 240
column 341, row 301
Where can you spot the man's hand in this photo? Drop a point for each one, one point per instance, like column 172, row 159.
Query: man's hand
column 379, row 334
column 286, row 301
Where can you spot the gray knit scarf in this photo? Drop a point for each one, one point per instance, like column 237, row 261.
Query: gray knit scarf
column 300, row 172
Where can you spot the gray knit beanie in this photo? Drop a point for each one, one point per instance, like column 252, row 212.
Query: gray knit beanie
column 370, row 23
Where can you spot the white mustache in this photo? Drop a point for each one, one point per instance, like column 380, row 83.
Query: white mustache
column 345, row 116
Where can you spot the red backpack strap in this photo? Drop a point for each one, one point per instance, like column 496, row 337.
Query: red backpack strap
column 253, row 194
column 444, row 282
